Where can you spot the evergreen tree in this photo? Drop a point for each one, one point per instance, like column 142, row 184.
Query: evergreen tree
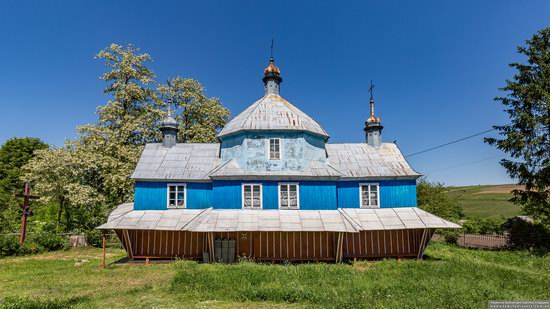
column 527, row 137
column 14, row 154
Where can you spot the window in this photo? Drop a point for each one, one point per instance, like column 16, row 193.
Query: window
column 288, row 196
column 369, row 195
column 274, row 149
column 176, row 195
column 252, row 196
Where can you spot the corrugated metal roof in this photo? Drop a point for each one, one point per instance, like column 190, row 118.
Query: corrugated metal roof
column 362, row 160
column 349, row 220
column 186, row 161
column 272, row 112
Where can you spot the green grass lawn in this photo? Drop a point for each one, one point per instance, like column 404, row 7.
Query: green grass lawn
column 476, row 202
column 449, row 277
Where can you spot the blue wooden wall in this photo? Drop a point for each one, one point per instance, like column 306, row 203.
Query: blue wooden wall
column 393, row 193
column 320, row 195
column 313, row 194
column 152, row 195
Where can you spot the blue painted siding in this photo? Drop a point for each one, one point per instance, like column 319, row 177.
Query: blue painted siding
column 152, row 195
column 318, row 195
column 313, row 194
column 393, row 193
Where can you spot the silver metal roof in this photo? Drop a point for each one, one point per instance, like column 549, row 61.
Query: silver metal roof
column 395, row 218
column 201, row 162
column 361, row 160
column 349, row 220
column 232, row 170
column 186, row 161
column 272, row 112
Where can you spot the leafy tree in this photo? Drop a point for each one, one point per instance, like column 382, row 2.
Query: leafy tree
column 59, row 176
column 201, row 117
column 113, row 144
column 90, row 175
column 14, row 153
column 433, row 198
column 527, row 137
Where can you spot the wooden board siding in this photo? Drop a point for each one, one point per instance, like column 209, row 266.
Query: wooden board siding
column 393, row 193
column 277, row 246
column 152, row 195
column 380, row 244
column 164, row 244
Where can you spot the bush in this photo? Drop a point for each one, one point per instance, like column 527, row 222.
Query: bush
column 9, row 245
column 94, row 238
column 477, row 225
column 450, row 235
column 527, row 234
column 50, row 241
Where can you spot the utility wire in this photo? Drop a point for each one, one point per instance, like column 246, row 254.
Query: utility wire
column 463, row 164
column 449, row 143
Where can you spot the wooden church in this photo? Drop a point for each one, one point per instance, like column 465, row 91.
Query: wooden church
column 274, row 189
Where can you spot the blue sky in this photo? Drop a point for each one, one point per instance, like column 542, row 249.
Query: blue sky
column 437, row 65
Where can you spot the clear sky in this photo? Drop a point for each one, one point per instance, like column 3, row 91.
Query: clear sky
column 437, row 65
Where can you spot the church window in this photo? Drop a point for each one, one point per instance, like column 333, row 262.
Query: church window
column 274, row 149
column 252, row 195
column 369, row 195
column 176, row 195
column 289, row 196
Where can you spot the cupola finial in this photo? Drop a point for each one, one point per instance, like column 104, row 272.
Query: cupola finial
column 272, row 76
column 169, row 129
column 373, row 125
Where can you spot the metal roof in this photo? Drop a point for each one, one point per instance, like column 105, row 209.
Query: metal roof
column 361, row 160
column 232, row 170
column 395, row 218
column 272, row 112
column 201, row 162
column 349, row 220
column 187, row 161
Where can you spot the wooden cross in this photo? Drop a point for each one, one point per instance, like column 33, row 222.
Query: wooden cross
column 26, row 195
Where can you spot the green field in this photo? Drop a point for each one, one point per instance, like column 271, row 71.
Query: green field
column 485, row 201
column 449, row 277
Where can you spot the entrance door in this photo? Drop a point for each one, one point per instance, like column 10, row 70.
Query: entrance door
column 245, row 244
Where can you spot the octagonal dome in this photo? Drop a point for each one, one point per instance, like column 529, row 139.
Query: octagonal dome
column 272, row 113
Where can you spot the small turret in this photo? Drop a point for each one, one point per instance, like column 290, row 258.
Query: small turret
column 272, row 78
column 169, row 129
column 373, row 125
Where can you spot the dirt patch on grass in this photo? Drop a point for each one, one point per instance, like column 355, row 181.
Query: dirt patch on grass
column 500, row 189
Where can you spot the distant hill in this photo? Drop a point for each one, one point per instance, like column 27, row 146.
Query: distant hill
column 486, row 200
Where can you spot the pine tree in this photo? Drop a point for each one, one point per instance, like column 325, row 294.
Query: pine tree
column 527, row 137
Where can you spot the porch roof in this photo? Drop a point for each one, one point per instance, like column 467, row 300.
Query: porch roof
column 349, row 220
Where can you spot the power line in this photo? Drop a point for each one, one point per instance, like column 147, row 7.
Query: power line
column 463, row 164
column 449, row 143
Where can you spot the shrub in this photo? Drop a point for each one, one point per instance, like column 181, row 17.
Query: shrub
column 477, row 225
column 9, row 245
column 50, row 241
column 94, row 238
column 524, row 233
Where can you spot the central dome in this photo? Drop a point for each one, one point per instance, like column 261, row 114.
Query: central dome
column 272, row 113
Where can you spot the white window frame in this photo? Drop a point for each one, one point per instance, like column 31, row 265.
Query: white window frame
column 361, row 194
column 252, row 191
column 269, row 149
column 297, row 194
column 184, row 195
